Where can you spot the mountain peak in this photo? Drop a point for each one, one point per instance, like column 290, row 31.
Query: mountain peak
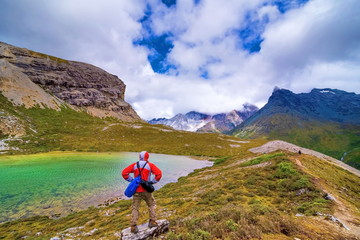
column 330, row 91
column 325, row 119
column 201, row 122
column 196, row 115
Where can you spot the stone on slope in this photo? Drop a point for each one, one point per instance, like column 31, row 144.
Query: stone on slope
column 11, row 125
column 145, row 232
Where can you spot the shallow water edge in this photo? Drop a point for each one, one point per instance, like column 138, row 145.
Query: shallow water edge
column 56, row 184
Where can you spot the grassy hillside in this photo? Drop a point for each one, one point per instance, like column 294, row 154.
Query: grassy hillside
column 330, row 138
column 69, row 130
column 241, row 197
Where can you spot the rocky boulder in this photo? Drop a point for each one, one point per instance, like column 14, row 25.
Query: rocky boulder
column 145, row 232
column 11, row 125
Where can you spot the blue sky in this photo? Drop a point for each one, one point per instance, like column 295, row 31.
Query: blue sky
column 249, row 33
column 204, row 55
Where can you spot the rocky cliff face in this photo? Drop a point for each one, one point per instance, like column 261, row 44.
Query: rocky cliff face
column 79, row 84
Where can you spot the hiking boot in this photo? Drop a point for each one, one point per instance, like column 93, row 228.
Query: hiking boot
column 134, row 229
column 152, row 223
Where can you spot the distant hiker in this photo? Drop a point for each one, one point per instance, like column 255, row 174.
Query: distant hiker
column 146, row 168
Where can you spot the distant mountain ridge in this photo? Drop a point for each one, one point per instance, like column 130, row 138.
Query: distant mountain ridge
column 200, row 122
column 325, row 104
column 326, row 120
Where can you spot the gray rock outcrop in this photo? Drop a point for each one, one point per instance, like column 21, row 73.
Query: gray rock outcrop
column 11, row 125
column 53, row 79
column 145, row 232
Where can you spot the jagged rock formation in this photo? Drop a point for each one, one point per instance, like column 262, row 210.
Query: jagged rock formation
column 190, row 121
column 200, row 122
column 145, row 232
column 29, row 78
column 225, row 122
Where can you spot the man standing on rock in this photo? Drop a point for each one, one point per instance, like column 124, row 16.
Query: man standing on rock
column 146, row 168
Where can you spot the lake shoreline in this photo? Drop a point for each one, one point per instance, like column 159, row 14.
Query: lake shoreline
column 105, row 197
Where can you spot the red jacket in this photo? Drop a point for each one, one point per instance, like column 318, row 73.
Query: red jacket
column 149, row 169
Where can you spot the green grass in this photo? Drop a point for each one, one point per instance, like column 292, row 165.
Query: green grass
column 220, row 160
column 260, row 159
column 337, row 180
column 226, row 201
column 330, row 138
column 222, row 202
column 353, row 158
column 69, row 130
column 42, row 55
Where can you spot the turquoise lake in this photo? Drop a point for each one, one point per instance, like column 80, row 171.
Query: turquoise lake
column 59, row 183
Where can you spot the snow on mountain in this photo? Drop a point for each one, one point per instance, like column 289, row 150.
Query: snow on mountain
column 195, row 121
column 191, row 121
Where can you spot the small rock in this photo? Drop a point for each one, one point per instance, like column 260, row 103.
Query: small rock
column 55, row 238
column 91, row 232
column 299, row 215
column 301, row 191
column 145, row 232
column 333, row 219
column 74, row 230
column 329, row 197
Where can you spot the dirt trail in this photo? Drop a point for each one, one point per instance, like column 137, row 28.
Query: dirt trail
column 342, row 212
column 282, row 145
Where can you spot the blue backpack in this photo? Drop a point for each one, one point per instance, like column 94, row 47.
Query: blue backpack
column 133, row 185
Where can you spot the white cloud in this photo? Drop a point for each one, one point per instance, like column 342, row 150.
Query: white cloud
column 305, row 41
column 316, row 45
column 268, row 11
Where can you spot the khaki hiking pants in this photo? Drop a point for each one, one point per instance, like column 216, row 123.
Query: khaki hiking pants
column 150, row 201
